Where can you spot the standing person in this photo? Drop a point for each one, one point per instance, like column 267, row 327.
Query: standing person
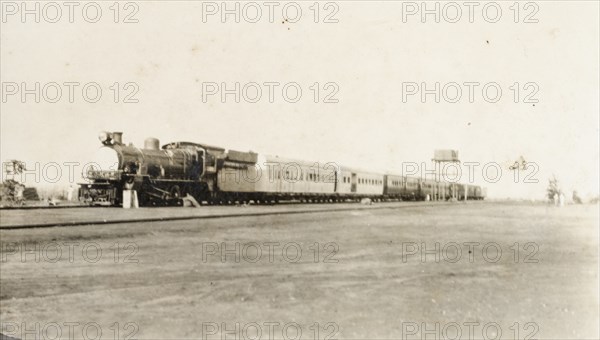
column 561, row 200
column 70, row 193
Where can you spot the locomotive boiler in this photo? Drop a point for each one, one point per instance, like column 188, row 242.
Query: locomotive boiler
column 159, row 175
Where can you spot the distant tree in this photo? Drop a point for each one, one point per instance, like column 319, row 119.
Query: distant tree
column 12, row 191
column 576, row 198
column 31, row 194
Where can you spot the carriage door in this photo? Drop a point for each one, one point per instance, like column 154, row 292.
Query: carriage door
column 336, row 175
column 353, row 183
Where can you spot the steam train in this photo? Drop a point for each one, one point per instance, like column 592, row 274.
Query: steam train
column 214, row 175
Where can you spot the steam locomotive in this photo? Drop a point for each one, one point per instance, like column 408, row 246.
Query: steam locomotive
column 214, row 175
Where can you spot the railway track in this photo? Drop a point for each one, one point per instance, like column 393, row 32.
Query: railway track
column 90, row 222
column 44, row 207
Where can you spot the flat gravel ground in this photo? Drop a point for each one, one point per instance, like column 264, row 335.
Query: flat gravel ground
column 480, row 270
column 85, row 215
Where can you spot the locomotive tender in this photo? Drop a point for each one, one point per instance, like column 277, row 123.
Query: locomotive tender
column 162, row 176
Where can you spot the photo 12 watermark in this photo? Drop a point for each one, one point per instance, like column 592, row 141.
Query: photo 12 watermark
column 71, row 12
column 269, row 330
column 469, row 330
column 469, row 252
column 285, row 12
column 69, row 252
column 270, row 92
column 452, row 12
column 70, row 92
column 469, row 92
column 70, row 330
column 270, row 252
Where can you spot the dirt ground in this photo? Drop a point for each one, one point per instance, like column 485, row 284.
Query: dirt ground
column 12, row 218
column 480, row 270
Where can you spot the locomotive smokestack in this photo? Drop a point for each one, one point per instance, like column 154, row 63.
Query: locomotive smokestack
column 118, row 137
column 151, row 143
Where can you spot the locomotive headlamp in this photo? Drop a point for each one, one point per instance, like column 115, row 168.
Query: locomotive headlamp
column 105, row 137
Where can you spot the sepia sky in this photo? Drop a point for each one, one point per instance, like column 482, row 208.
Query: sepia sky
column 368, row 54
